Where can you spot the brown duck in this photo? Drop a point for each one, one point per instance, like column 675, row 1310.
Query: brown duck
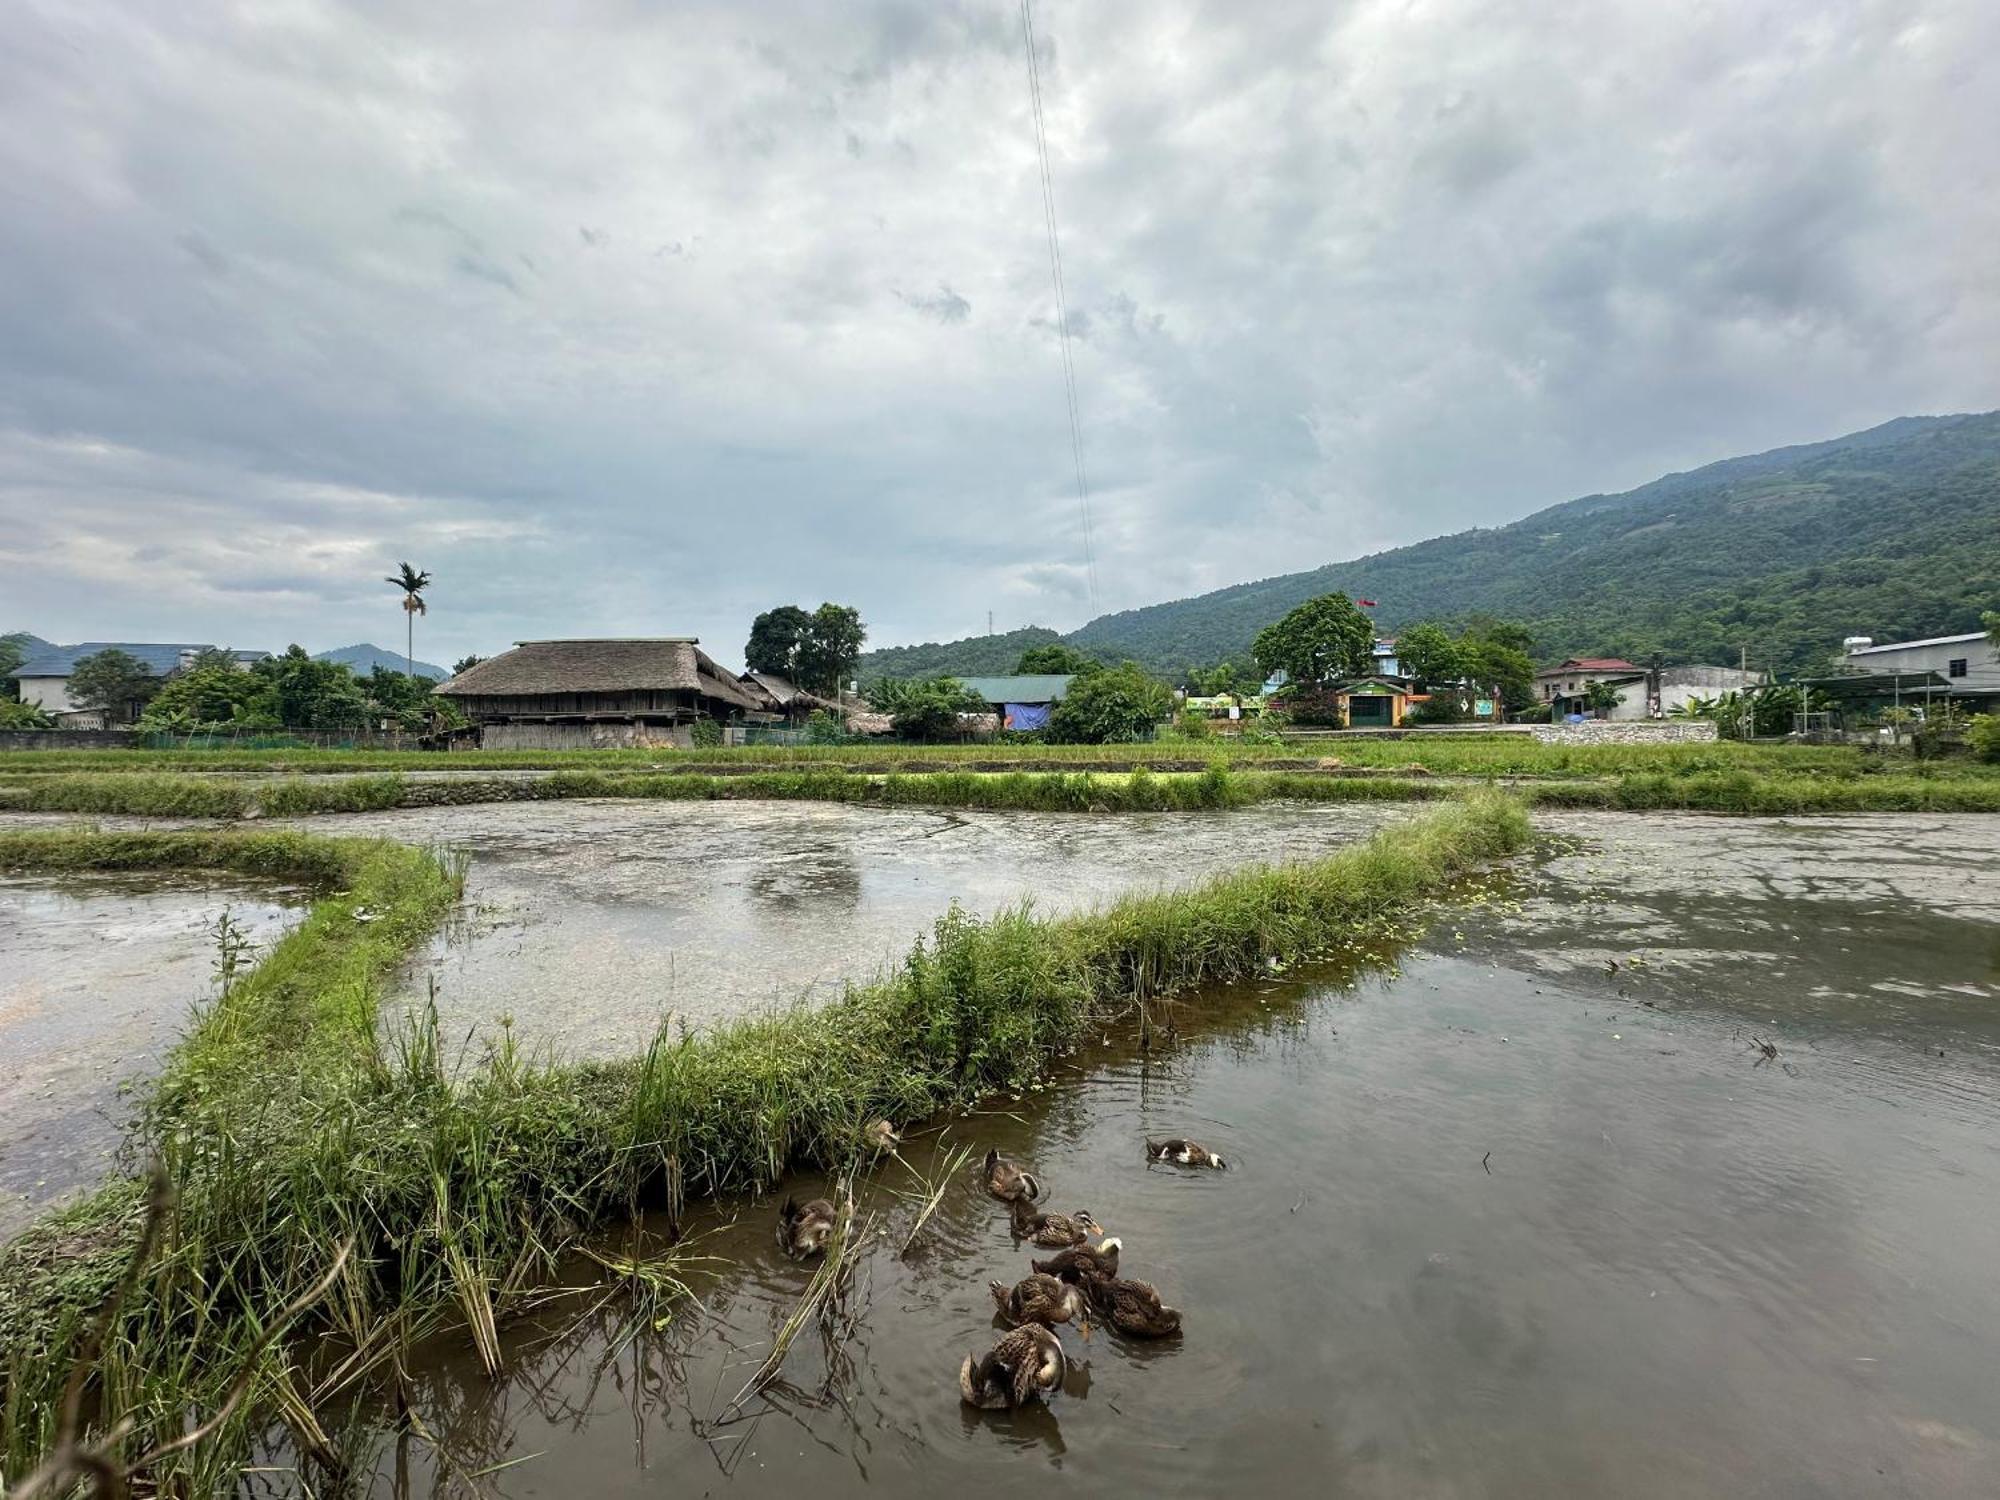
column 1008, row 1180
column 1184, row 1153
column 1047, row 1300
column 803, row 1232
column 1024, row 1365
column 1082, row 1263
column 1132, row 1307
column 1053, row 1231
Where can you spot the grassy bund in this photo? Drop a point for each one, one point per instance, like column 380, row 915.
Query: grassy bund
column 288, row 1132
column 1703, row 778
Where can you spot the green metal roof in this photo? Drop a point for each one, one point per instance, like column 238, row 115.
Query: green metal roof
column 1036, row 687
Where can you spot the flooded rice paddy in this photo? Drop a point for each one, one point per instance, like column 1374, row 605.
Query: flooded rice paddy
column 1523, row 1211
column 98, row 976
column 636, row 911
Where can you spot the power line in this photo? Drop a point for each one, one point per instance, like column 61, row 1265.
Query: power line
column 1062, row 312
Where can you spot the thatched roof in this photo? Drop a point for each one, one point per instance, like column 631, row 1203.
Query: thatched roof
column 660, row 664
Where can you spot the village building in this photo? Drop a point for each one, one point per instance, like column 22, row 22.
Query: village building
column 780, row 701
column 1963, row 668
column 1022, row 701
column 1374, row 702
column 1643, row 692
column 43, row 677
column 584, row 694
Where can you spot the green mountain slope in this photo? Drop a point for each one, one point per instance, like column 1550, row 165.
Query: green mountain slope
column 975, row 656
column 1893, row 532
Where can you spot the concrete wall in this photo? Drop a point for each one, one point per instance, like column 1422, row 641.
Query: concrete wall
column 51, row 693
column 1614, row 732
column 65, row 739
column 585, row 737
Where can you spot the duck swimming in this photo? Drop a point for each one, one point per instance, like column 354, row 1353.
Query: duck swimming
column 1053, row 1231
column 1184, row 1153
column 1025, row 1365
column 1047, row 1300
column 1081, row 1264
column 803, row 1232
column 1132, row 1307
column 1008, row 1180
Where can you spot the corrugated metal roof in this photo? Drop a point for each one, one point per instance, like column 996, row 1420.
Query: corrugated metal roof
column 1034, row 687
column 1592, row 664
column 1935, row 640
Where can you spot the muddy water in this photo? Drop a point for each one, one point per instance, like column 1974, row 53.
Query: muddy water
column 1508, row 1222
column 632, row 911
column 97, row 979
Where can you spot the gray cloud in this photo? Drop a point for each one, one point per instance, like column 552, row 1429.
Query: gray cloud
column 608, row 320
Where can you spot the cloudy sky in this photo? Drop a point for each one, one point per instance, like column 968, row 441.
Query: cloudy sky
column 638, row 318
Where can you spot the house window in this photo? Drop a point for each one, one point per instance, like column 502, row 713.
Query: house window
column 1955, row 667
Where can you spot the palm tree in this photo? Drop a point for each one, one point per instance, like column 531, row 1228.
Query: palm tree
column 413, row 584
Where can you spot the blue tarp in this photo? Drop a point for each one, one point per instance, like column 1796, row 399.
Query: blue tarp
column 1025, row 715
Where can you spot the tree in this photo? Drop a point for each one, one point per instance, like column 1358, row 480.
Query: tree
column 1601, row 697
column 1116, row 706
column 1323, row 640
column 205, row 694
column 929, row 709
column 17, row 715
column 413, row 584
column 1430, row 656
column 114, row 681
column 465, row 664
column 1057, row 659
column 13, row 651
column 301, row 693
column 830, row 649
column 775, row 638
column 1990, row 621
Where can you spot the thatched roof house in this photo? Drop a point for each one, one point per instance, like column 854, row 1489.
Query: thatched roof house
column 666, row 681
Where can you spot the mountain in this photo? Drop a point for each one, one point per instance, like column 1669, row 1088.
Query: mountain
column 363, row 659
column 975, row 656
column 1893, row 532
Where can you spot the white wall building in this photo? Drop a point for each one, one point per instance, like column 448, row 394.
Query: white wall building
column 1969, row 663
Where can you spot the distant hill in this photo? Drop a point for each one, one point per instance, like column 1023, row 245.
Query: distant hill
column 1893, row 532
column 363, row 659
column 975, row 656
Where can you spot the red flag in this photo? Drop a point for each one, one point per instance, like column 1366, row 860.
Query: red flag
column 1365, row 603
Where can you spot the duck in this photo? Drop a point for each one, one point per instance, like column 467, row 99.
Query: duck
column 882, row 1136
column 1184, row 1152
column 1040, row 1298
column 1132, row 1307
column 803, row 1232
column 1009, row 1181
column 1024, row 1366
column 1053, row 1231
column 1081, row 1263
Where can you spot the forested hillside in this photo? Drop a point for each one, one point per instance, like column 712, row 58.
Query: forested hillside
column 975, row 656
column 1893, row 532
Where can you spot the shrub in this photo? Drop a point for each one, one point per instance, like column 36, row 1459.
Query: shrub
column 1118, row 706
column 707, row 734
column 1984, row 737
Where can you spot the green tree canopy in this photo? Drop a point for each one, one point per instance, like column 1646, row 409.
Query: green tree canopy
column 13, row 651
column 465, row 664
column 1116, row 706
column 1057, row 659
column 301, row 693
column 1323, row 640
column 1430, row 657
column 830, row 649
column 928, row 709
column 775, row 638
column 210, row 694
column 115, row 681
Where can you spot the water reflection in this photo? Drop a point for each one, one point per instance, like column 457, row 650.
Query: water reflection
column 1493, row 1229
